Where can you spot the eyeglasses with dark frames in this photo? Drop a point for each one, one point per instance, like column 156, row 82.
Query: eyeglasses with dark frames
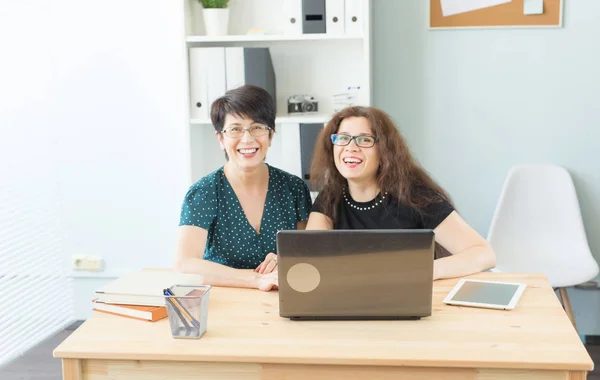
column 238, row 132
column 363, row 141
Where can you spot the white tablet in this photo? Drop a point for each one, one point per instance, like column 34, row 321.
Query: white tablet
column 488, row 294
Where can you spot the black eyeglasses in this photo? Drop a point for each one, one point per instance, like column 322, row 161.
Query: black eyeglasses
column 238, row 132
column 363, row 141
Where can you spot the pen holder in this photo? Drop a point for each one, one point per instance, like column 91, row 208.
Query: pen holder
column 187, row 309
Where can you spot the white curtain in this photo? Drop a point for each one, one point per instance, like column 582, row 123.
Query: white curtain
column 35, row 293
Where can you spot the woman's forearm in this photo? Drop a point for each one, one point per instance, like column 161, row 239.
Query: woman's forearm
column 472, row 260
column 218, row 274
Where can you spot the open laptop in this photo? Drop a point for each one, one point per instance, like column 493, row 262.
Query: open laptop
column 355, row 274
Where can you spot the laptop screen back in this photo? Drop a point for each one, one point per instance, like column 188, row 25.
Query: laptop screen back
column 359, row 273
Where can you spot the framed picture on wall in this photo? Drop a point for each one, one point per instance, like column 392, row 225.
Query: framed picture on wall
column 448, row 14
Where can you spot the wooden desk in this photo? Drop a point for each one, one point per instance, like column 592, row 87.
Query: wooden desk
column 246, row 339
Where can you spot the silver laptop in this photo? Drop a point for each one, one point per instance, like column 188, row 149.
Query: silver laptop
column 355, row 274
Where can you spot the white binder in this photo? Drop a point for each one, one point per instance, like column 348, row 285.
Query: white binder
column 234, row 67
column 215, row 82
column 284, row 152
column 198, row 91
column 334, row 12
column 353, row 17
column 292, row 11
column 207, row 79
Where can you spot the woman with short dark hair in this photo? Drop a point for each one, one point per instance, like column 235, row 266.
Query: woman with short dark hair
column 230, row 217
column 368, row 179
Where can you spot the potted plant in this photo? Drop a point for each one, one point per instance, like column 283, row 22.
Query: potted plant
column 216, row 17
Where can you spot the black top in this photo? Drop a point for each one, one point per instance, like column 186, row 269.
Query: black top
column 384, row 212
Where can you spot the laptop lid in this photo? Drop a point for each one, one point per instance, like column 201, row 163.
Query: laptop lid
column 355, row 274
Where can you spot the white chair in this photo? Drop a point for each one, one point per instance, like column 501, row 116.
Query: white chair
column 537, row 227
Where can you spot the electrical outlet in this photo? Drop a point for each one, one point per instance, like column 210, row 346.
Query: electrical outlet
column 77, row 261
column 90, row 263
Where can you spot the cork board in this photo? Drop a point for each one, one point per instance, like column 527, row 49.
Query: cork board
column 503, row 15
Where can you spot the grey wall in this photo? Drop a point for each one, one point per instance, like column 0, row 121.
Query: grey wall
column 472, row 103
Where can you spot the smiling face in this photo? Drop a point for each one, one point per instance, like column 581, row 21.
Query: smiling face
column 354, row 163
column 245, row 151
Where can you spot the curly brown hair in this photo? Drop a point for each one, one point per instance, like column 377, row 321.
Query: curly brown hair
column 398, row 174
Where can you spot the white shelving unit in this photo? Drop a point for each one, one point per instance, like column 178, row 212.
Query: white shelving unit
column 203, row 40
column 318, row 65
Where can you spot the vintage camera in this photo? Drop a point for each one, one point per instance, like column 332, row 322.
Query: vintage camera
column 302, row 104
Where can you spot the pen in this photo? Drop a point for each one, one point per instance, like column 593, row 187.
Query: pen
column 181, row 317
column 180, row 309
column 176, row 310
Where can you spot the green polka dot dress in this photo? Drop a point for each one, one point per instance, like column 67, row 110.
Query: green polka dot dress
column 212, row 204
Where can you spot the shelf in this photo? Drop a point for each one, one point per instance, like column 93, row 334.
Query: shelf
column 268, row 38
column 318, row 118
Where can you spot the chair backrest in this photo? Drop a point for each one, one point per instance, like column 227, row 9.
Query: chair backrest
column 537, row 226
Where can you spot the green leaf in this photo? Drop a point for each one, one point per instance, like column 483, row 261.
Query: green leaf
column 214, row 3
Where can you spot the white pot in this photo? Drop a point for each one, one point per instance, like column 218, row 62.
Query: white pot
column 216, row 21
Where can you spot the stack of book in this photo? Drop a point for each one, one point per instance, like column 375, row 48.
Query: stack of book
column 139, row 295
column 144, row 313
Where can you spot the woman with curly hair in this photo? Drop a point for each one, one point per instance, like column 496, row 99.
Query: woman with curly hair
column 368, row 179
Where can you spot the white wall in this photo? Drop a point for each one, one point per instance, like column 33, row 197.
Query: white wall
column 123, row 127
column 105, row 83
column 472, row 103
column 35, row 297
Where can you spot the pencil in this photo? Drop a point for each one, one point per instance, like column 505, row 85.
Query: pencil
column 181, row 308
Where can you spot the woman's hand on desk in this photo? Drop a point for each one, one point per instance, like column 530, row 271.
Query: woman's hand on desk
column 268, row 281
column 268, row 265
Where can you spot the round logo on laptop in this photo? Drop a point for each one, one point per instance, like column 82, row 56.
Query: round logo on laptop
column 303, row 277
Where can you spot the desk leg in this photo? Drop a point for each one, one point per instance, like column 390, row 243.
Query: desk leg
column 577, row 375
column 71, row 369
